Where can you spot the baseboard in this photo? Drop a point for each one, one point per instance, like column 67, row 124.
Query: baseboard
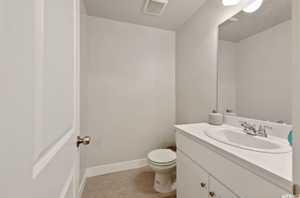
column 82, row 184
column 116, row 167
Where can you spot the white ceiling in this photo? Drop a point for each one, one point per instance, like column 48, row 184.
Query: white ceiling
column 175, row 14
column 272, row 13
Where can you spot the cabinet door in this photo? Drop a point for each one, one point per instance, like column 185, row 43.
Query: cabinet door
column 218, row 190
column 192, row 181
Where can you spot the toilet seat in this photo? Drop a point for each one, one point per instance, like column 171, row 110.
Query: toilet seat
column 162, row 164
column 162, row 157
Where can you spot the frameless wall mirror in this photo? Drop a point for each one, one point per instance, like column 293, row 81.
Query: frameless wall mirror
column 254, row 63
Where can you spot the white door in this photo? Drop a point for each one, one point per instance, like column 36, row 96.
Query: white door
column 39, row 98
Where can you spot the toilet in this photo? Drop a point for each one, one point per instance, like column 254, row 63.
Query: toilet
column 162, row 162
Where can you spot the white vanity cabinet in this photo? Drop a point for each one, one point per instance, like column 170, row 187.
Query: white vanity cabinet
column 193, row 181
column 203, row 172
column 218, row 190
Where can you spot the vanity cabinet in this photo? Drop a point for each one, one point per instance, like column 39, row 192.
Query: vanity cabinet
column 203, row 172
column 193, row 181
column 218, row 190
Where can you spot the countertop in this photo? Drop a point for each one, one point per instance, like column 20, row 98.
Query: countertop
column 276, row 168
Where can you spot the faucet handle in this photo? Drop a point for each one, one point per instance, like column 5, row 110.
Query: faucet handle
column 248, row 125
column 244, row 124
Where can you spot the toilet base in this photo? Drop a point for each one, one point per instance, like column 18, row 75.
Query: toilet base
column 164, row 183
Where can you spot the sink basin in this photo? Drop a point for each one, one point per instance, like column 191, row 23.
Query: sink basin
column 237, row 138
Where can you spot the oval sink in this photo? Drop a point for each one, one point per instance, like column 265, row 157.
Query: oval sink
column 237, row 138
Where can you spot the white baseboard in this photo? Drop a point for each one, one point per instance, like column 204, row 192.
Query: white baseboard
column 82, row 184
column 116, row 167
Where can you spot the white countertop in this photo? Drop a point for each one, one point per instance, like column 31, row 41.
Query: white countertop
column 273, row 167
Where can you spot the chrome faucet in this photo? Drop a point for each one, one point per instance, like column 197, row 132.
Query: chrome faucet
column 262, row 130
column 250, row 129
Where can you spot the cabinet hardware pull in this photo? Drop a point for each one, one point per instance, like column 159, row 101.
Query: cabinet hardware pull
column 212, row 194
column 203, row 185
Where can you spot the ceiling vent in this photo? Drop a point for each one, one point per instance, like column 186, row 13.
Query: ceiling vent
column 155, row 7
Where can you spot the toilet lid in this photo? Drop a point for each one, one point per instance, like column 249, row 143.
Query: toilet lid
column 162, row 156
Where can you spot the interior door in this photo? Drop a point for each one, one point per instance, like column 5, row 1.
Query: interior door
column 55, row 169
column 39, row 115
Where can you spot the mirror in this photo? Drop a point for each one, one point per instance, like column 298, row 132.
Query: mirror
column 254, row 63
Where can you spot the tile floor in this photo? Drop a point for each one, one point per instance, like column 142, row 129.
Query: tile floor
column 128, row 184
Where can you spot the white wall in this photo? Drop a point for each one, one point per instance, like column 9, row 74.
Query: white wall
column 17, row 81
column 128, row 99
column 264, row 75
column 296, row 89
column 196, row 61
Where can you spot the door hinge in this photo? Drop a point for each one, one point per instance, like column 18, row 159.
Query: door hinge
column 296, row 190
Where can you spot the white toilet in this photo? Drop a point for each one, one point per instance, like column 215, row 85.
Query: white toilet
column 162, row 161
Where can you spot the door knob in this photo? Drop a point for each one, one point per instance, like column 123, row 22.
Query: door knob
column 83, row 140
column 203, row 184
column 212, row 194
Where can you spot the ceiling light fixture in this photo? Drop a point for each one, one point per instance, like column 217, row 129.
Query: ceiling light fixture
column 253, row 6
column 230, row 2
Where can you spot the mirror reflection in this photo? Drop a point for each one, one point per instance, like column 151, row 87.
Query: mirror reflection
column 254, row 63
